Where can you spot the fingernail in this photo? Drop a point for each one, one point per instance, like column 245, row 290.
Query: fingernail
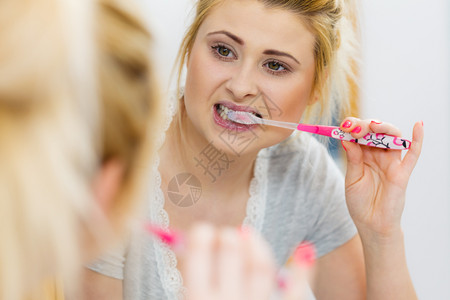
column 347, row 124
column 376, row 122
column 305, row 254
column 342, row 143
column 422, row 123
column 167, row 236
column 357, row 129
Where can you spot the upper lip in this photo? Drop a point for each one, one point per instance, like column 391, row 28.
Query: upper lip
column 236, row 107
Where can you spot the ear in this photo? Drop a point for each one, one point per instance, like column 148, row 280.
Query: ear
column 314, row 97
column 107, row 184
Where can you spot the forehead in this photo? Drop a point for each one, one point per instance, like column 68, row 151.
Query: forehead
column 259, row 25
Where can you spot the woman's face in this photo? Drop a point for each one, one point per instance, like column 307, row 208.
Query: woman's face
column 247, row 57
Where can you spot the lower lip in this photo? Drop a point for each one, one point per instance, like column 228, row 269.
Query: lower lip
column 230, row 125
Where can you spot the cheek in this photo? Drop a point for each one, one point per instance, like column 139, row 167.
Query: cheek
column 296, row 103
column 194, row 76
column 203, row 75
column 292, row 98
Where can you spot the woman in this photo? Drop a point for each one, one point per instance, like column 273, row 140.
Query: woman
column 77, row 118
column 282, row 60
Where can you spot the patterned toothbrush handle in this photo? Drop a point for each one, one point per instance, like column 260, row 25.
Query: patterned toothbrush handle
column 372, row 139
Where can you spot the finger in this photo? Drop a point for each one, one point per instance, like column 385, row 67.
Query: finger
column 199, row 261
column 296, row 285
column 230, row 265
column 355, row 163
column 384, row 127
column 411, row 157
column 349, row 123
column 358, row 128
column 299, row 272
column 261, row 268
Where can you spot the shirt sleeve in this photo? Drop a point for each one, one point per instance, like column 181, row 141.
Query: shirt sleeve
column 331, row 224
column 111, row 263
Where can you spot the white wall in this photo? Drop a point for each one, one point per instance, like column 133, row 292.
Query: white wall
column 406, row 78
column 168, row 20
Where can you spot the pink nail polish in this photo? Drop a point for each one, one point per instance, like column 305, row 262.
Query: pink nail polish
column 342, row 143
column 347, row 124
column 422, row 123
column 357, row 129
column 169, row 237
column 376, row 122
column 305, row 254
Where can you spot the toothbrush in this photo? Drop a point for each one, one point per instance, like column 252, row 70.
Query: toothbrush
column 378, row 140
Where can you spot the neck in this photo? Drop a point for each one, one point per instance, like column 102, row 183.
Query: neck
column 219, row 172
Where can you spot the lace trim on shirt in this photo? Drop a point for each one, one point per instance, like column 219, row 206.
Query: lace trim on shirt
column 256, row 205
column 166, row 260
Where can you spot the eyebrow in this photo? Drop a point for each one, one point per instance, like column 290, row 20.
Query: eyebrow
column 280, row 53
column 241, row 42
column 230, row 35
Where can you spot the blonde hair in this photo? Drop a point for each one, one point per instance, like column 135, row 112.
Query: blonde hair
column 130, row 97
column 75, row 91
column 334, row 24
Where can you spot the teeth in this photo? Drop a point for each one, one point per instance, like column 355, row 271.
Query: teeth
column 223, row 111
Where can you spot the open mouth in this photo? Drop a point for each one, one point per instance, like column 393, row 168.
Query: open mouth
column 220, row 116
column 222, row 111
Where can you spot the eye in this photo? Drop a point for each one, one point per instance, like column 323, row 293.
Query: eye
column 277, row 68
column 273, row 65
column 223, row 52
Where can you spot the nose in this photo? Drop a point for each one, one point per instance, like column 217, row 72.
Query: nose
column 242, row 83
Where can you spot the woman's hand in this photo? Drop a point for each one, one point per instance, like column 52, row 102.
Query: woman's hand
column 223, row 264
column 227, row 264
column 376, row 179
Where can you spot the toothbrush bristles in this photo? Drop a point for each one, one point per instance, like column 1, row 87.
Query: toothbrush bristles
column 242, row 117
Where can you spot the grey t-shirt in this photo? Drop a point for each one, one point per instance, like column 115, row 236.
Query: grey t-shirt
column 298, row 195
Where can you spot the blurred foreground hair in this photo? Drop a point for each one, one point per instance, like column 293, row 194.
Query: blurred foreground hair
column 76, row 91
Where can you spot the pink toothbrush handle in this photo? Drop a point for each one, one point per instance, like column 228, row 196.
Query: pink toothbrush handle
column 378, row 140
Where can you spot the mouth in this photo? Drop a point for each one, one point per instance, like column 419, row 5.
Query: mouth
column 221, row 111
